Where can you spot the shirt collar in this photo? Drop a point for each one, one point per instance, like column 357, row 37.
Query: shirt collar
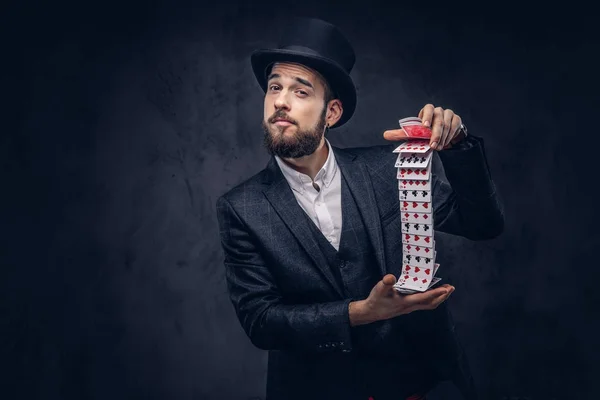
column 299, row 181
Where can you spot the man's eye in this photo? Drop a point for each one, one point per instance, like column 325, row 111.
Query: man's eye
column 273, row 87
column 302, row 92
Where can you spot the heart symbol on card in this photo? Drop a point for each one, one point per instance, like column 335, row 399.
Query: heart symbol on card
column 415, row 205
column 426, row 205
column 417, row 269
column 402, row 171
column 404, row 183
column 406, row 276
column 424, row 281
column 408, row 172
column 405, row 204
column 424, row 172
column 407, row 268
column 407, row 236
column 416, row 237
column 427, row 271
column 427, row 239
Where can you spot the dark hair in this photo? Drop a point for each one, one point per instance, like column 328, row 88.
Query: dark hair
column 329, row 94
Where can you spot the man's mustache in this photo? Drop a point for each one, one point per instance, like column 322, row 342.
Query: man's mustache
column 281, row 115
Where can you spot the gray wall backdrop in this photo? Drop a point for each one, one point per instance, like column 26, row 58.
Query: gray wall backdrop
column 124, row 122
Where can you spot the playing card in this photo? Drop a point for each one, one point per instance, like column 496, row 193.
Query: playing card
column 423, row 274
column 417, row 174
column 414, row 128
column 418, row 218
column 413, row 160
column 412, row 279
column 417, row 240
column 417, row 229
column 414, row 163
column 410, row 184
column 413, row 146
column 415, row 206
column 415, row 195
column 419, row 250
column 434, row 281
column 403, row 289
column 420, row 261
column 418, row 283
column 409, row 279
column 419, row 271
column 410, row 119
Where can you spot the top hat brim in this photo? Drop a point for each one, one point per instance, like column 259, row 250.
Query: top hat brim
column 337, row 78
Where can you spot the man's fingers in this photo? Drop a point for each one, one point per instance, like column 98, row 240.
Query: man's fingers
column 456, row 122
column 439, row 300
column 395, row 134
column 448, row 131
column 428, row 297
column 426, row 114
column 437, row 128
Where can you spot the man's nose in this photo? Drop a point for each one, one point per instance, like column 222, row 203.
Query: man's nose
column 281, row 101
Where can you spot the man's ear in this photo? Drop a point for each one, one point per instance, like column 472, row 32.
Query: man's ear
column 334, row 112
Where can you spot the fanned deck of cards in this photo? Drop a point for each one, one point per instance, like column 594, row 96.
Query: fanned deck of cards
column 414, row 185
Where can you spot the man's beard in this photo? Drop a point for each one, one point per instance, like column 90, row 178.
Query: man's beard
column 300, row 144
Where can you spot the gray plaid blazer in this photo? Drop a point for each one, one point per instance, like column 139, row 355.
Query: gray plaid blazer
column 289, row 302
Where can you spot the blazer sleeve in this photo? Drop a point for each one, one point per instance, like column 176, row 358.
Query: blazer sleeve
column 467, row 205
column 268, row 322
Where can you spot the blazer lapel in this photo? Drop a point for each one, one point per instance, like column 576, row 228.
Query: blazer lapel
column 359, row 183
column 281, row 197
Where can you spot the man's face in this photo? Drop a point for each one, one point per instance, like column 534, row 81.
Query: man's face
column 294, row 111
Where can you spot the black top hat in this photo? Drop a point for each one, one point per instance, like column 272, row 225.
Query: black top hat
column 318, row 45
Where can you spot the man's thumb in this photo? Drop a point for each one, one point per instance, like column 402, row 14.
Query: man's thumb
column 389, row 280
column 386, row 283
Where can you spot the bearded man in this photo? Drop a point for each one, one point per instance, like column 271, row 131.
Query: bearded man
column 312, row 243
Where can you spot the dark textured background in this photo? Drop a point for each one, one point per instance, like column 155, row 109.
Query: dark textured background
column 124, row 122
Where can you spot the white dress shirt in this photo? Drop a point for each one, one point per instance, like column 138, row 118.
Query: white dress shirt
column 323, row 206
